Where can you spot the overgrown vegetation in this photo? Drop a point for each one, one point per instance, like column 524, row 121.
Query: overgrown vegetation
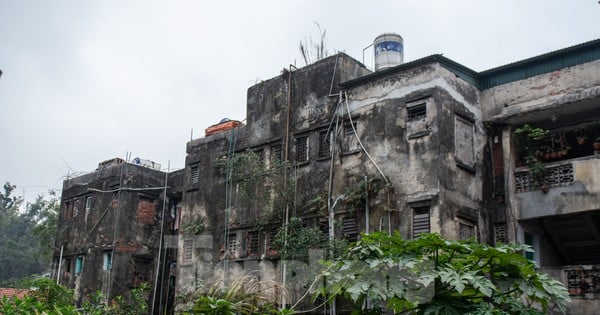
column 293, row 240
column 266, row 188
column 431, row 275
column 47, row 297
column 313, row 51
column 244, row 295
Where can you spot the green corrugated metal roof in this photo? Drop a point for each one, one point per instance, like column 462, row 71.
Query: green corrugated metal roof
column 549, row 62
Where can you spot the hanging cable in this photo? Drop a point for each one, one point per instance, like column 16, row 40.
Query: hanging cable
column 160, row 240
column 360, row 142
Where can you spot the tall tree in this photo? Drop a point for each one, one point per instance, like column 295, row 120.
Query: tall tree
column 20, row 254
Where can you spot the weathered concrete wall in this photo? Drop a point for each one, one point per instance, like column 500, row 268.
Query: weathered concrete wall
column 542, row 92
column 132, row 216
column 419, row 157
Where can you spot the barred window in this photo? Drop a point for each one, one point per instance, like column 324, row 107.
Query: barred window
column 420, row 221
column 466, row 231
column 253, row 243
column 195, row 174
column 276, row 152
column 302, row 149
column 416, row 111
column 324, row 143
column 142, row 270
column 232, row 245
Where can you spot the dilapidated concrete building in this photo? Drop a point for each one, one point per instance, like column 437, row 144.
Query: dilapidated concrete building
column 110, row 229
column 424, row 146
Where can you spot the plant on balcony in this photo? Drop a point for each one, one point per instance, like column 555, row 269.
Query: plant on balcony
column 530, row 141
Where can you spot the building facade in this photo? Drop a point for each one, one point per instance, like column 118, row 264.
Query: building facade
column 504, row 155
column 110, row 228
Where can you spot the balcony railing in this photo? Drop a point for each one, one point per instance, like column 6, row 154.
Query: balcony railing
column 554, row 176
column 583, row 282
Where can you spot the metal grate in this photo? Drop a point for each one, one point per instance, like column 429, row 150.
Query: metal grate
column 420, row 221
column 556, row 176
column 253, row 243
column 324, row 144
column 416, row 112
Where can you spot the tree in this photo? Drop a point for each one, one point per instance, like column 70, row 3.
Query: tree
column 44, row 213
column 431, row 275
column 28, row 237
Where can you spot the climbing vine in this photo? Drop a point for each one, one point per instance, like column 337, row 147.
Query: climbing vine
column 265, row 187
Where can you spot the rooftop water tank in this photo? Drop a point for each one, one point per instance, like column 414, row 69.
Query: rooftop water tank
column 389, row 50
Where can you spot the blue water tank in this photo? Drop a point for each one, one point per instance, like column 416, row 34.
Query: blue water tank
column 389, row 50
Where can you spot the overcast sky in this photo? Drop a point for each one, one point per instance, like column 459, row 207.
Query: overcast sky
column 86, row 81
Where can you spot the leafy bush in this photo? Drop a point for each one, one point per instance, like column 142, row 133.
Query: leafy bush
column 431, row 275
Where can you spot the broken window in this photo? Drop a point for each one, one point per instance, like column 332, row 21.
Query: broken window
column 188, row 250
column 420, row 221
column 302, row 149
column 78, row 264
column 416, row 111
column 463, row 141
column 195, row 174
column 324, row 144
column 107, row 261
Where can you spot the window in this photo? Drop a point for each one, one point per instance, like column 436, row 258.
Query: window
column 68, row 210
column 78, row 264
column 275, row 153
column 107, row 261
column 416, row 111
column 302, row 149
column 195, row 174
column 232, row 244
column 88, row 203
column 188, row 250
column 420, row 221
column 466, row 231
column 141, row 271
column 75, row 207
column 463, row 141
column 349, row 140
column 253, row 243
column 324, row 144
column 500, row 233
column 350, row 229
column 531, row 240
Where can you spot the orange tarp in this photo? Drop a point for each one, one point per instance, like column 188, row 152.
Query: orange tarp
column 221, row 127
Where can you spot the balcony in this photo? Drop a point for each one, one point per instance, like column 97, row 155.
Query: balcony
column 569, row 186
column 583, row 283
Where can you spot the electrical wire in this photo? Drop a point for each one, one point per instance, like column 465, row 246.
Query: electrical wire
column 360, row 142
